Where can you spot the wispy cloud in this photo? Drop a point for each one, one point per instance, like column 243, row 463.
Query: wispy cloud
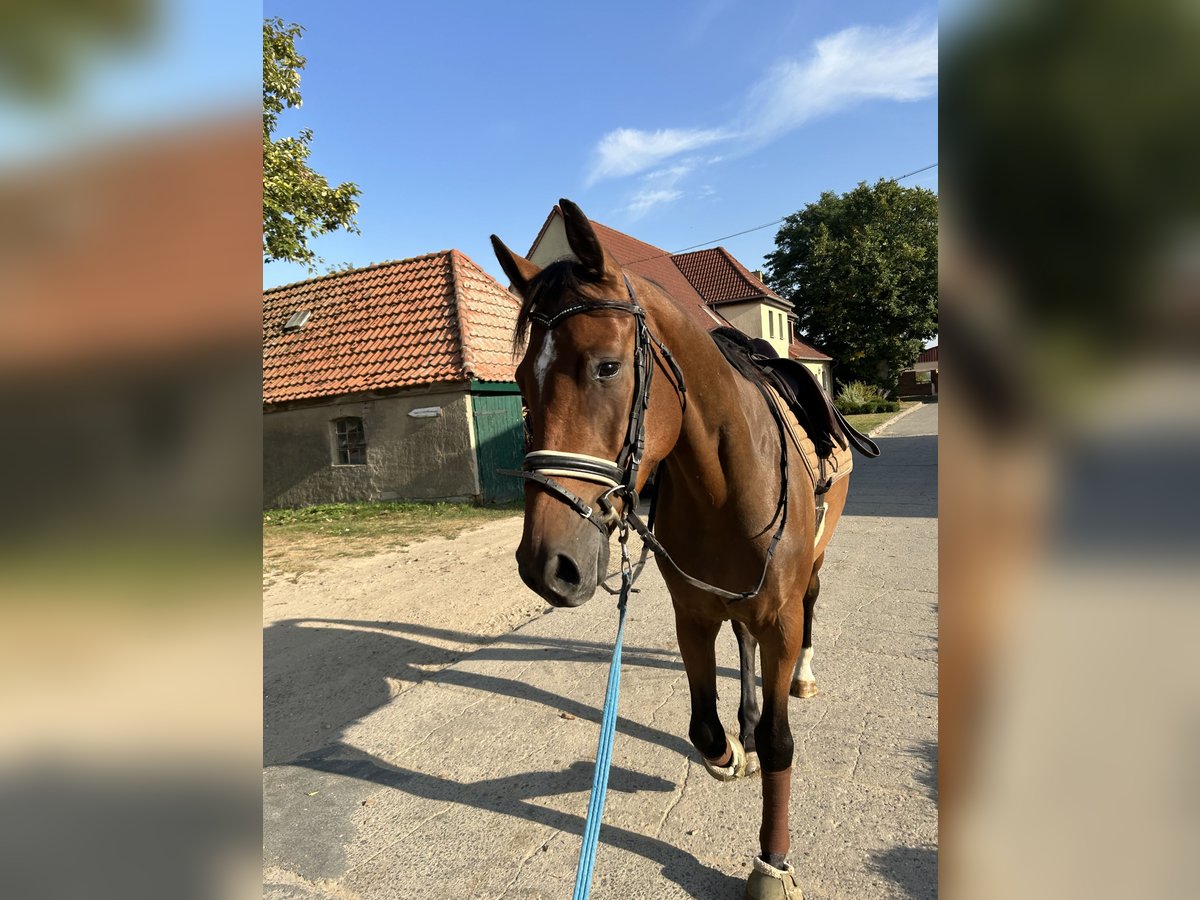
column 846, row 68
column 628, row 151
column 659, row 187
column 645, row 200
column 843, row 69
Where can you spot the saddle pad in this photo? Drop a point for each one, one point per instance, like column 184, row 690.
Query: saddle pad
column 840, row 461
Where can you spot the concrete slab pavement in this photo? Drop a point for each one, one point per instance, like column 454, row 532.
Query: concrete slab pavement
column 474, row 782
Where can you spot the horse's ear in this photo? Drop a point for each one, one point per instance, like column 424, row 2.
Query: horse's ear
column 582, row 239
column 519, row 270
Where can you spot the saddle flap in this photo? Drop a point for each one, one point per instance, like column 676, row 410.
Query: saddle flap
column 804, row 393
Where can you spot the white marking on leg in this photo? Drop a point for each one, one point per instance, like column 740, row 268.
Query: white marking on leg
column 806, row 672
column 544, row 360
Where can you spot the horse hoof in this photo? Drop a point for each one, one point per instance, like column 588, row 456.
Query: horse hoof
column 737, row 765
column 752, row 765
column 768, row 883
column 803, row 689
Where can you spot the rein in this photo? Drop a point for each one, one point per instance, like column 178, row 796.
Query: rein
column 620, row 477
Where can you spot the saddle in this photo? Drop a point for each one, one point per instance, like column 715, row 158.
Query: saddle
column 825, row 426
column 804, row 395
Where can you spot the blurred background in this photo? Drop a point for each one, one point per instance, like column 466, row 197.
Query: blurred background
column 130, row 660
column 1070, row 280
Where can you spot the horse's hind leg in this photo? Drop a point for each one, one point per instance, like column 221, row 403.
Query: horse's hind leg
column 804, row 682
column 724, row 757
column 748, row 709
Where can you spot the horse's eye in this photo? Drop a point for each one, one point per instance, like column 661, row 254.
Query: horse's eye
column 608, row 369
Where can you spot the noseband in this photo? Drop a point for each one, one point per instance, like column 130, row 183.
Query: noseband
column 620, row 477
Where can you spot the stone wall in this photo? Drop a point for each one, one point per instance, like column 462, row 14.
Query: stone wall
column 407, row 458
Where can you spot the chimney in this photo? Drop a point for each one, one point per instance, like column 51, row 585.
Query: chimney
column 757, row 273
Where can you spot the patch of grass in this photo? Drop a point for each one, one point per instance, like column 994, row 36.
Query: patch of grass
column 298, row 540
column 392, row 520
column 864, row 422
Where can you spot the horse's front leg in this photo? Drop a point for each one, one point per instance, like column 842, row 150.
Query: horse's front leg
column 804, row 682
column 722, row 754
column 749, row 712
column 773, row 878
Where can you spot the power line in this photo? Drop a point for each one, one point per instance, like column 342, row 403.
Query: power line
column 761, row 227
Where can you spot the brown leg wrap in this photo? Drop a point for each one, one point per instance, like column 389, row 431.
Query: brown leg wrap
column 777, row 791
column 726, row 757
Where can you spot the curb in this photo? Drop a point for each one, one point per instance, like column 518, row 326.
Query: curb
column 896, row 418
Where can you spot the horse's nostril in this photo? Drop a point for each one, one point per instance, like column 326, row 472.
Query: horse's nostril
column 566, row 572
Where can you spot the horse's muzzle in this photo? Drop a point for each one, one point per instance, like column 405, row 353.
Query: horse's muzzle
column 563, row 578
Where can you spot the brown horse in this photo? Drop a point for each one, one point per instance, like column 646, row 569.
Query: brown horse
column 595, row 337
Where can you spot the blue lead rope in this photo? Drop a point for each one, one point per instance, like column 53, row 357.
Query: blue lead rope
column 608, row 726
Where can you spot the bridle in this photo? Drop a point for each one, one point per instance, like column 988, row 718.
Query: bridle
column 619, row 478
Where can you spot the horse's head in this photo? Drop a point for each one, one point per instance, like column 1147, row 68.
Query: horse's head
column 578, row 379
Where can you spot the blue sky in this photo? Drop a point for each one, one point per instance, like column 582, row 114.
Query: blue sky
column 676, row 123
column 199, row 58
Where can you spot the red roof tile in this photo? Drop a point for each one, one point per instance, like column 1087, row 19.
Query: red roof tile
column 652, row 263
column 801, row 350
column 719, row 278
column 431, row 319
column 695, row 279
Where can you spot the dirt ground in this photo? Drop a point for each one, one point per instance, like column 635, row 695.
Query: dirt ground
column 315, row 600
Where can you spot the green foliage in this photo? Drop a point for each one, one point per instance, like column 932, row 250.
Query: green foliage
column 859, row 397
column 861, row 270
column 298, row 203
column 50, row 48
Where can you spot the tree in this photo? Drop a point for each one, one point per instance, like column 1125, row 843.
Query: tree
column 298, row 203
column 861, row 271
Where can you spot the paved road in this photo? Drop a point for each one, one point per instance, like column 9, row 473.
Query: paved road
column 474, row 782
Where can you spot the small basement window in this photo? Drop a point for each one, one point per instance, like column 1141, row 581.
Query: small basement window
column 350, row 442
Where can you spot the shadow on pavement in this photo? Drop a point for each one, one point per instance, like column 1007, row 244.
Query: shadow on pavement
column 307, row 708
column 914, row 869
column 508, row 796
column 320, row 679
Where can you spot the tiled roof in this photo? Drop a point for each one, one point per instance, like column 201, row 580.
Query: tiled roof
column 652, row 263
column 801, row 350
column 431, row 319
column 719, row 278
column 695, row 279
column 655, row 264
column 928, row 355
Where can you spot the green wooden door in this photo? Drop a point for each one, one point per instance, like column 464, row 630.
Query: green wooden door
column 499, row 444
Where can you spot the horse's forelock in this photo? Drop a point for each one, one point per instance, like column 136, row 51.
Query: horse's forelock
column 545, row 294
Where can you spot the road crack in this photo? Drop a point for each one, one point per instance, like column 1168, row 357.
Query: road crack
column 687, row 776
column 539, row 847
column 400, row 839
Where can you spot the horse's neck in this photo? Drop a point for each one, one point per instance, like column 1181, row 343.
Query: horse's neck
column 716, row 461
